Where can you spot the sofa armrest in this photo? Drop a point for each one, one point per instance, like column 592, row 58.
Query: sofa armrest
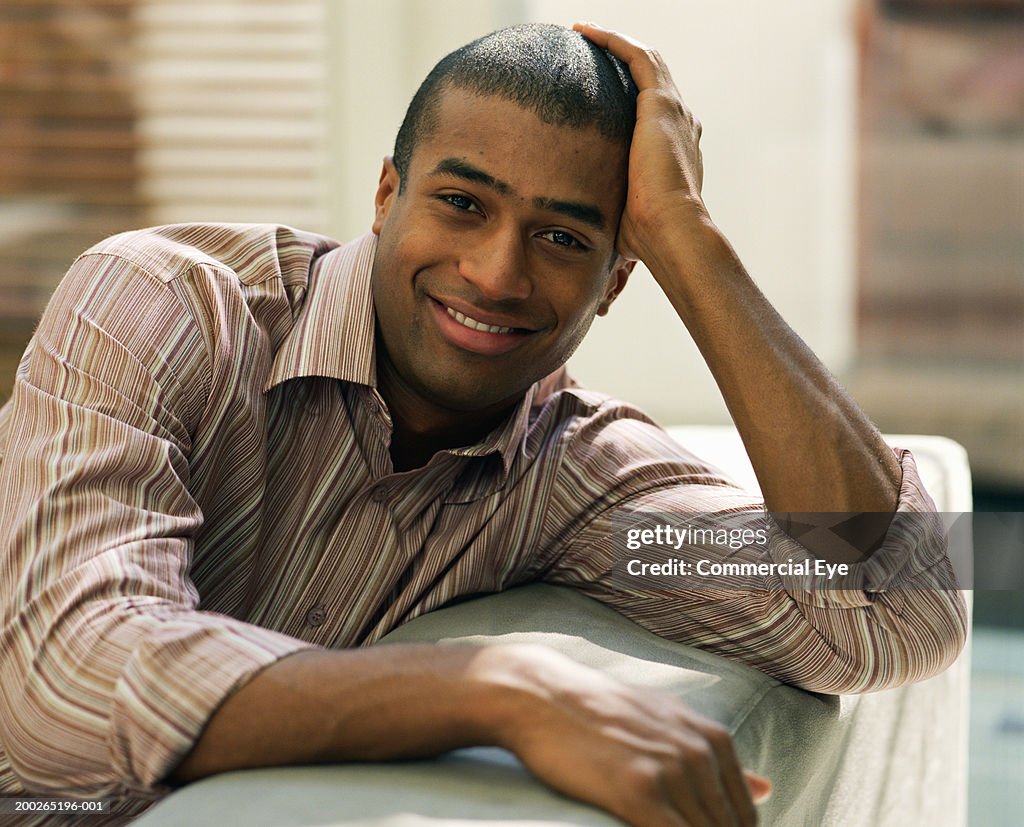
column 941, row 462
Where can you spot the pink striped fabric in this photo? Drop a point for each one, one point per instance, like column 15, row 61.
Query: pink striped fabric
column 195, row 482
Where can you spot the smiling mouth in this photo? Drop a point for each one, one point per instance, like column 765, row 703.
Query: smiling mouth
column 473, row 324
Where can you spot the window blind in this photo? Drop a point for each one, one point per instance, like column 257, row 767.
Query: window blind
column 231, row 110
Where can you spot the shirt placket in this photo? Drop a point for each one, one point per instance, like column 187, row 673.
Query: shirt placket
column 361, row 555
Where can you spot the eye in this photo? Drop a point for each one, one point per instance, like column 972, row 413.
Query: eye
column 564, row 239
column 460, row 202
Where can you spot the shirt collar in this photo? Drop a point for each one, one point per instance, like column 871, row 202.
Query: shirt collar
column 333, row 332
column 510, row 438
column 334, row 336
column 506, row 439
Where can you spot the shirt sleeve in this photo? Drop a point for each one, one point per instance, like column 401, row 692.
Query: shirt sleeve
column 895, row 618
column 109, row 669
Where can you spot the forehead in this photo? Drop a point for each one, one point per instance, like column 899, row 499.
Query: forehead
column 513, row 144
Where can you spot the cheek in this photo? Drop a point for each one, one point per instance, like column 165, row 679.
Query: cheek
column 580, row 298
column 409, row 246
column 579, row 330
column 577, row 309
column 395, row 264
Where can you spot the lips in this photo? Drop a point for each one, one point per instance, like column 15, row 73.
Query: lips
column 473, row 324
column 478, row 336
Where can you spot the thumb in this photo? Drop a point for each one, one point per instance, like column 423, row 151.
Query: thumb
column 759, row 786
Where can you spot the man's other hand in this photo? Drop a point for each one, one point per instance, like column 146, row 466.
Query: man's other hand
column 640, row 754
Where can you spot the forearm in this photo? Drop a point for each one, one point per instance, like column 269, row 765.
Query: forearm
column 367, row 704
column 578, row 730
column 812, row 447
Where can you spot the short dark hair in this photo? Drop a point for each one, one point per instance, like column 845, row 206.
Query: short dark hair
column 551, row 70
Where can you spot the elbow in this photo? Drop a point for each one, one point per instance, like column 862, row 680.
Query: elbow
column 54, row 726
column 42, row 749
column 895, row 649
column 933, row 631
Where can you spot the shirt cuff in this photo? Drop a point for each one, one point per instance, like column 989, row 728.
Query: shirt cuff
column 913, row 555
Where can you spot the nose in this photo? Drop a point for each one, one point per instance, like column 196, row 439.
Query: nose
column 495, row 263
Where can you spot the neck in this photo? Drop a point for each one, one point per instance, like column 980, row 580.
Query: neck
column 421, row 427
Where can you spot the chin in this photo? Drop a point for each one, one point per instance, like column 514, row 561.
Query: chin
column 472, row 397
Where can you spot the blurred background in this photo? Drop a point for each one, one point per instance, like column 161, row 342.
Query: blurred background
column 865, row 157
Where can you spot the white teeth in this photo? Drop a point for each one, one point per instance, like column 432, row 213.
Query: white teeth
column 473, row 324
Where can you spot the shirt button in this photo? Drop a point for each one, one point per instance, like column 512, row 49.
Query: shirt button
column 379, row 494
column 316, row 616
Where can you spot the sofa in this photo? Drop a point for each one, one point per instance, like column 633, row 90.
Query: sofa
column 896, row 757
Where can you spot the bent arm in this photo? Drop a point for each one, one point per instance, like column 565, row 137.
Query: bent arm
column 892, row 619
column 812, row 448
column 577, row 730
column 100, row 636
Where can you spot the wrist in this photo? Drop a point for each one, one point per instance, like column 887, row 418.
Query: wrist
column 691, row 260
column 508, row 695
column 659, row 236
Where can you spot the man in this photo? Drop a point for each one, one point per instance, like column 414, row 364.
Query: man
column 231, row 449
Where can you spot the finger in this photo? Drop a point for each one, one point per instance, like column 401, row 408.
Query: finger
column 606, row 36
column 731, row 775
column 644, row 64
column 704, row 787
column 685, row 796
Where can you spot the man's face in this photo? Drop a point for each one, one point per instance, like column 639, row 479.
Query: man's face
column 496, row 255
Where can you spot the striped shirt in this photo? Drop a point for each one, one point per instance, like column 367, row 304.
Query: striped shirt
column 195, row 482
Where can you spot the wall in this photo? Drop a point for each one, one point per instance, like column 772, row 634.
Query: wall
column 379, row 54
column 941, row 272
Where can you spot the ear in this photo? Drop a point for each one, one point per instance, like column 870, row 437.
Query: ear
column 619, row 276
column 387, row 192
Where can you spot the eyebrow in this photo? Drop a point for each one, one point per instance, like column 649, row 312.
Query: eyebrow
column 589, row 214
column 462, row 169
